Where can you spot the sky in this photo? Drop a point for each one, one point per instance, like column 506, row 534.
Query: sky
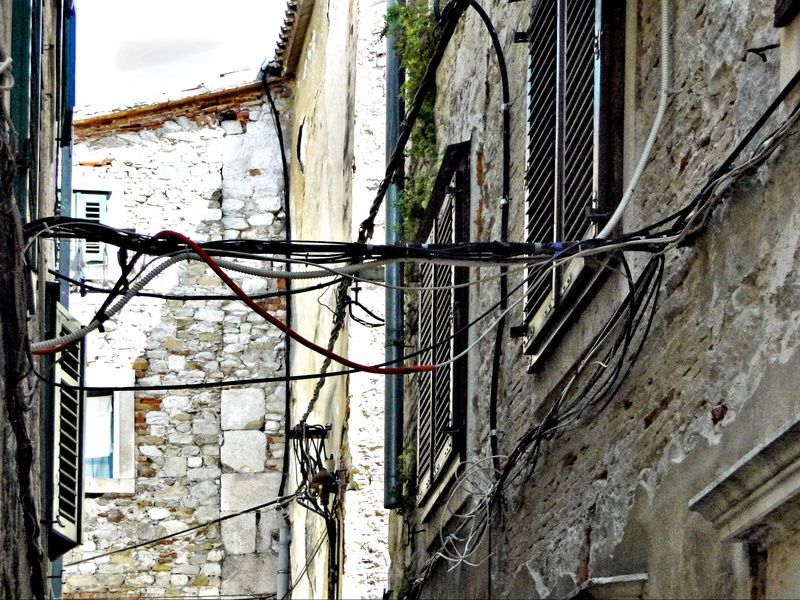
column 155, row 50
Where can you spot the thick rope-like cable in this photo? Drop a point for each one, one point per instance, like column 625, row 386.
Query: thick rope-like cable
column 282, row 326
column 56, row 345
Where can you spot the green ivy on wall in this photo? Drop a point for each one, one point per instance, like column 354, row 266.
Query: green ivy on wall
column 416, row 32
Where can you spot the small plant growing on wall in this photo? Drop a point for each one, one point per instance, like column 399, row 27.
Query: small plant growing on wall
column 407, row 480
column 416, row 32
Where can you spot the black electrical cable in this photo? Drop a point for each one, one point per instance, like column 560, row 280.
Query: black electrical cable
column 279, row 500
column 504, row 209
column 278, row 294
column 287, row 411
column 191, row 386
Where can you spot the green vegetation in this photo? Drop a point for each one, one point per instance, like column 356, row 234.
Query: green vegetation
column 406, row 487
column 416, row 33
column 405, row 589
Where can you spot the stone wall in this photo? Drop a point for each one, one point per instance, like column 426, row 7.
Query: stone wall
column 210, row 170
column 610, row 495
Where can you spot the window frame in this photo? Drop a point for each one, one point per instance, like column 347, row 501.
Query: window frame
column 94, row 253
column 123, row 480
column 451, row 193
column 554, row 173
column 785, row 12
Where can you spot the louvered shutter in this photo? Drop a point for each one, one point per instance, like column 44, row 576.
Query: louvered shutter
column 436, row 390
column 443, row 311
column 66, row 439
column 94, row 207
column 567, row 167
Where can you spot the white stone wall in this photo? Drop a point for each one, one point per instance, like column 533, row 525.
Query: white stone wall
column 366, row 567
column 200, row 454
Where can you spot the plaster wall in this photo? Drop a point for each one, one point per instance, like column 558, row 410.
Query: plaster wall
column 717, row 373
column 337, row 166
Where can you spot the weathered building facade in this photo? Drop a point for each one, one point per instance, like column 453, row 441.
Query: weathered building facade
column 632, row 430
column 36, row 77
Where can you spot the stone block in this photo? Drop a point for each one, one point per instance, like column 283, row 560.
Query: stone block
column 210, row 315
column 244, row 451
column 234, row 223
column 157, row 417
column 269, row 523
column 241, row 491
column 239, row 534
column 157, row 514
column 175, row 404
column 242, row 409
column 203, row 473
column 263, row 220
column 231, row 127
column 248, row 574
column 173, row 467
column 205, row 491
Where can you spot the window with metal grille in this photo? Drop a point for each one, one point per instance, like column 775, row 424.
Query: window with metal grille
column 443, row 311
column 574, row 153
column 65, row 438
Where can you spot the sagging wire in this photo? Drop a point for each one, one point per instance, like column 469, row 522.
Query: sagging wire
column 281, row 326
column 280, row 501
column 86, row 288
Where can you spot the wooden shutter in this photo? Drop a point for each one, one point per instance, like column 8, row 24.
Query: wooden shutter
column 570, row 178
column 441, row 394
column 65, row 417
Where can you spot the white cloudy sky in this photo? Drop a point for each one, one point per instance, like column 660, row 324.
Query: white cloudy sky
column 145, row 50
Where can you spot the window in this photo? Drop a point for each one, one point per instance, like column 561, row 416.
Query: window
column 441, row 394
column 756, row 501
column 109, row 416
column 574, row 154
column 64, row 418
column 92, row 205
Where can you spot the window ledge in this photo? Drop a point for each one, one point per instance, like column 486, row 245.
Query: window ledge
column 109, row 486
column 754, row 500
column 619, row 586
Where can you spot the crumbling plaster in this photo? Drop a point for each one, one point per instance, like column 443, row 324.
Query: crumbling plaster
column 717, row 374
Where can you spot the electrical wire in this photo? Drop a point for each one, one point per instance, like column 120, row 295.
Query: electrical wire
column 87, row 288
column 280, row 501
column 656, row 127
column 280, row 325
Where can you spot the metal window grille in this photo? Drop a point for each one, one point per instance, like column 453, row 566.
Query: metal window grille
column 574, row 99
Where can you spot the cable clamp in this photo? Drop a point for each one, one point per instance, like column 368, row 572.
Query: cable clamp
column 503, row 201
column 493, row 433
column 505, row 106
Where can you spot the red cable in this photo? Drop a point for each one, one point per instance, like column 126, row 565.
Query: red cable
column 282, row 326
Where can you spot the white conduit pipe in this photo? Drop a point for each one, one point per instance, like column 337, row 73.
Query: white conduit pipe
column 662, row 109
column 132, row 291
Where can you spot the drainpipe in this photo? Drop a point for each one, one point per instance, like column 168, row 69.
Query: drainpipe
column 284, row 564
column 393, row 410
column 66, row 144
